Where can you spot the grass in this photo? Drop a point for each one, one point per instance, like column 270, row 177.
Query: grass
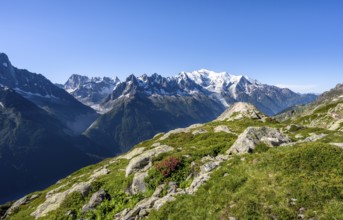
column 267, row 184
column 320, row 116
column 273, row 184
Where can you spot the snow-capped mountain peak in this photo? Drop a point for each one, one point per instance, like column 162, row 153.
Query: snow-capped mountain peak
column 90, row 90
column 215, row 81
column 221, row 87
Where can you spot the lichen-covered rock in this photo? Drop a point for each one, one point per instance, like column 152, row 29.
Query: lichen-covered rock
column 241, row 110
column 340, row 145
column 132, row 153
column 158, row 190
column 17, row 204
column 159, row 203
column 145, row 204
column 223, row 128
column 253, row 136
column 197, row 182
column 199, row 131
column 293, row 127
column 207, row 167
column 180, row 130
column 54, row 200
column 314, row 137
column 138, row 183
column 99, row 172
column 144, row 207
column 298, row 136
column 156, row 144
column 95, row 200
column 172, row 187
column 140, row 161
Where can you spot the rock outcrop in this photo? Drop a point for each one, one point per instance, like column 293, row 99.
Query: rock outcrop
column 95, row 200
column 53, row 201
column 20, row 202
column 144, row 207
column 199, row 131
column 142, row 160
column 138, row 183
column 340, row 145
column 241, row 110
column 132, row 153
column 180, row 130
column 223, row 128
column 253, row 136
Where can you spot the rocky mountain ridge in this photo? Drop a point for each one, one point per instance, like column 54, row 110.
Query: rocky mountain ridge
column 90, row 91
column 222, row 87
column 40, row 132
column 39, row 90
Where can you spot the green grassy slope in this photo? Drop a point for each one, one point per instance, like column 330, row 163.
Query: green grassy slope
column 303, row 180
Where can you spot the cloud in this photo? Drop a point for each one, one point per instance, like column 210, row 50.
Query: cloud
column 300, row 88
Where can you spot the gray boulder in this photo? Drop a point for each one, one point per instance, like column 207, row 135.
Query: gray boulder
column 95, row 200
column 223, row 128
column 16, row 205
column 253, row 136
column 199, row 131
column 138, row 183
column 159, row 203
column 140, row 161
column 54, row 200
column 132, row 153
column 241, row 110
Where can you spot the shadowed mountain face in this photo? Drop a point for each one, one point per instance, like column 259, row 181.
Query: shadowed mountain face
column 40, row 127
column 139, row 118
column 39, row 90
column 34, row 147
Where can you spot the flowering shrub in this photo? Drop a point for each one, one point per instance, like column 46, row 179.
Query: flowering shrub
column 167, row 166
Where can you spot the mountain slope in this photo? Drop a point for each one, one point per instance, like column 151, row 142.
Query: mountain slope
column 325, row 112
column 239, row 166
column 39, row 90
column 35, row 148
column 138, row 114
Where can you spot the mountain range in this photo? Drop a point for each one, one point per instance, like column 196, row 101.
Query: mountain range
column 220, row 86
column 90, row 91
column 242, row 165
column 140, row 107
column 49, row 130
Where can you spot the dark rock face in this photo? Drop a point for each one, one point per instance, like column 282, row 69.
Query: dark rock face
column 136, row 118
column 39, row 90
column 95, row 200
column 35, row 148
column 40, row 127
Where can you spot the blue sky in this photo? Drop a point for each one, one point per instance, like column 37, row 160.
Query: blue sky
column 294, row 43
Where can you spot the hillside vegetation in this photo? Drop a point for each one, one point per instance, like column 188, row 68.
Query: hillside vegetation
column 244, row 165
